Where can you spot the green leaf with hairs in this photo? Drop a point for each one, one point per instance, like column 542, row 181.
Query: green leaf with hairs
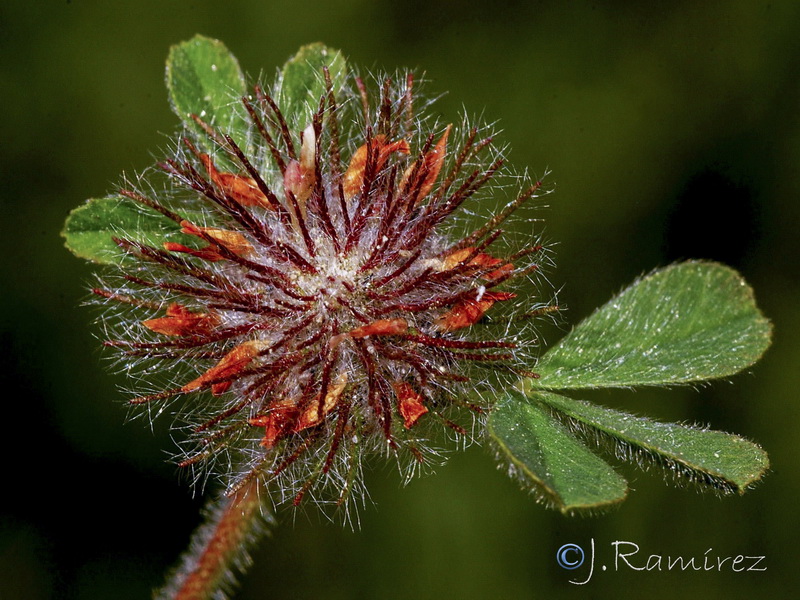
column 204, row 79
column 91, row 228
column 715, row 459
column 303, row 82
column 549, row 460
column 688, row 322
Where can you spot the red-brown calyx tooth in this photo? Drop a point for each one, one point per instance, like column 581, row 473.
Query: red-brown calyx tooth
column 227, row 369
column 209, row 253
column 243, row 190
column 314, row 413
column 277, row 422
column 468, row 312
column 354, row 176
column 232, row 241
column 379, row 327
column 180, row 321
column 409, row 403
column 481, row 260
column 284, row 416
column 423, row 172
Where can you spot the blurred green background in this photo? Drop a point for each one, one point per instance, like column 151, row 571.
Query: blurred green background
column 672, row 132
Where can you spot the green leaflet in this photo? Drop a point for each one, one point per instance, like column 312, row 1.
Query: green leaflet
column 204, row 79
column 90, row 228
column 303, row 82
column 688, row 322
column 713, row 458
column 550, row 460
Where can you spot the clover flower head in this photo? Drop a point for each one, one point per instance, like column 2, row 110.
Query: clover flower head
column 322, row 299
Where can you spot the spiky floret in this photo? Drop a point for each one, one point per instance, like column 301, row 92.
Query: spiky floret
column 324, row 312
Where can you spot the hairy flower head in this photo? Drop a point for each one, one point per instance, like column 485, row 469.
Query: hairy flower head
column 323, row 301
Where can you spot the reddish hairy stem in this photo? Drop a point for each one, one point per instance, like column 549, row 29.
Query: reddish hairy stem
column 219, row 547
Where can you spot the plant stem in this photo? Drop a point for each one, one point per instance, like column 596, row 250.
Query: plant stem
column 219, row 547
